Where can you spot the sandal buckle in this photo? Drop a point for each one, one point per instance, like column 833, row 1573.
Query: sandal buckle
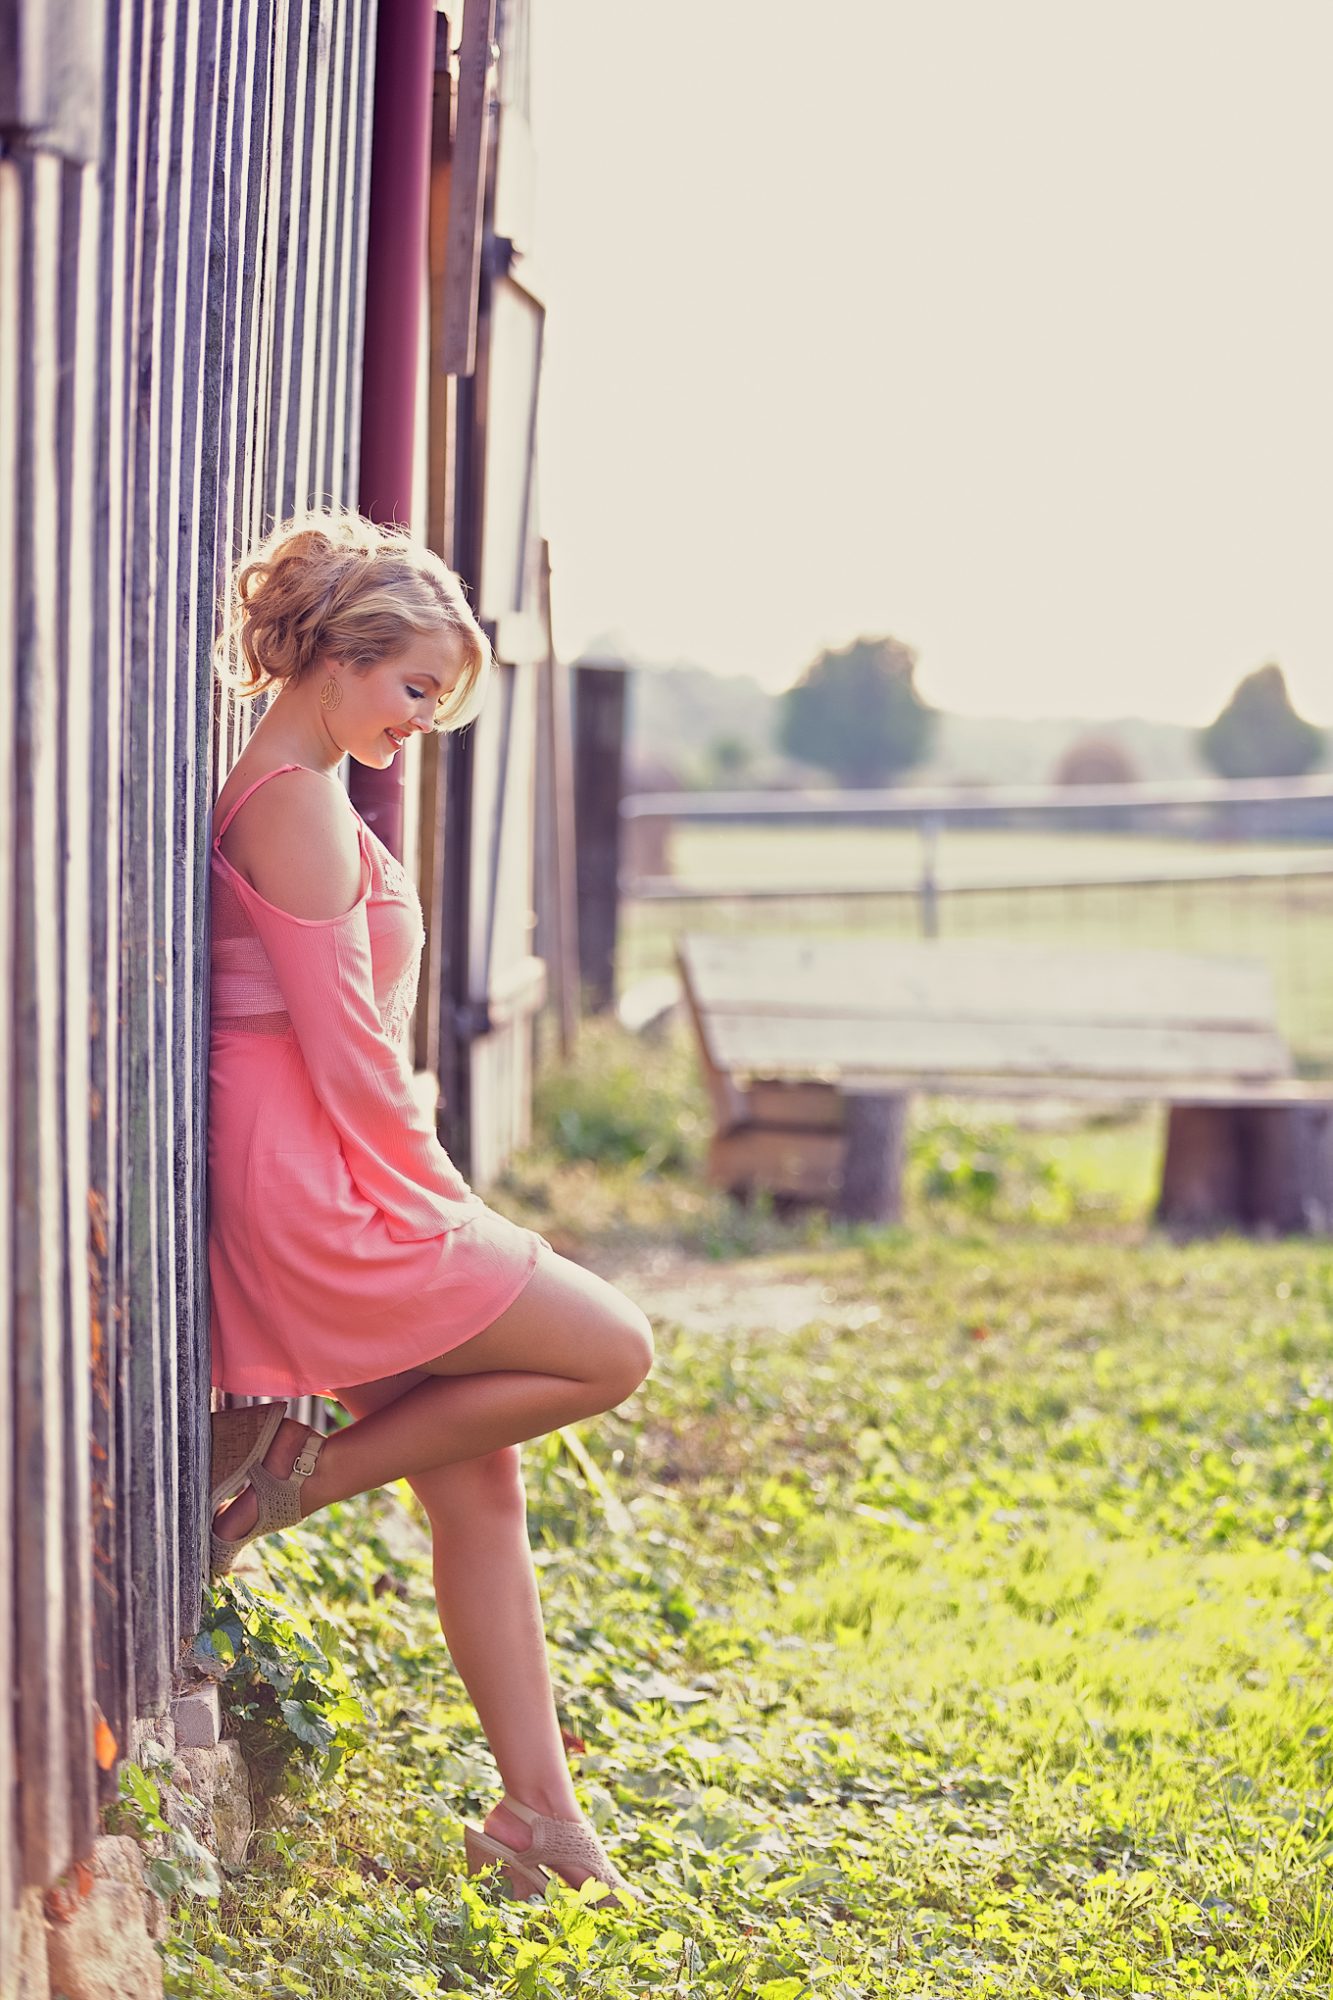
column 304, row 1463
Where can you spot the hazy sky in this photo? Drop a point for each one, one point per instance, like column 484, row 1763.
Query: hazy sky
column 1007, row 329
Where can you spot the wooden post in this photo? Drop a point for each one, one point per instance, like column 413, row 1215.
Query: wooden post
column 1201, row 1170
column 647, row 846
column 397, row 246
column 928, row 888
column 557, row 904
column 599, row 728
column 875, row 1129
column 1290, row 1157
column 467, row 189
column 1261, row 1168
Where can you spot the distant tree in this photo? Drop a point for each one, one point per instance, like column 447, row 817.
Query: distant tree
column 1259, row 734
column 728, row 758
column 1096, row 760
column 856, row 712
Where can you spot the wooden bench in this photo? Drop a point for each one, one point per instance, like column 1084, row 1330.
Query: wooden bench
column 812, row 1049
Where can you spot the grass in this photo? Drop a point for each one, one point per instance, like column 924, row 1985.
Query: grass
column 967, row 1634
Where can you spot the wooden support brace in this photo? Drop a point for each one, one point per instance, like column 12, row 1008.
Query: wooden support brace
column 1290, row 1154
column 1261, row 1168
column 875, row 1128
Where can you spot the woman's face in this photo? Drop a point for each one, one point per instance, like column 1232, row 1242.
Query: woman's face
column 385, row 704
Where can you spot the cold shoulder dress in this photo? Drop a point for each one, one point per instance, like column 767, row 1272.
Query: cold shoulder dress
column 343, row 1243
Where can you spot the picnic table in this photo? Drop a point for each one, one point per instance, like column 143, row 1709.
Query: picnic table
column 812, row 1049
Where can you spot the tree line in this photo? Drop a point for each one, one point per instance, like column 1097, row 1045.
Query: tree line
column 856, row 713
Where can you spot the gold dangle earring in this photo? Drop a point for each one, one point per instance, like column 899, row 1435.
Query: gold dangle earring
column 330, row 694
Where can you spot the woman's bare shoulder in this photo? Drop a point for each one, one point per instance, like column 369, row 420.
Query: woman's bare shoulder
column 295, row 840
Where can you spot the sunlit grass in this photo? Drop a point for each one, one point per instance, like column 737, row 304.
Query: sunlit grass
column 971, row 1635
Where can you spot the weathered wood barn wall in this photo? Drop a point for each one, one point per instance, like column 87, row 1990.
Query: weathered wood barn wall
column 186, row 232
column 183, row 200
column 487, row 321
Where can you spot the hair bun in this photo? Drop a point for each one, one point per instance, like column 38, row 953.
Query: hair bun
column 332, row 584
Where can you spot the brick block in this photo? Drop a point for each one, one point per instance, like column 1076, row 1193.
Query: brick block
column 198, row 1718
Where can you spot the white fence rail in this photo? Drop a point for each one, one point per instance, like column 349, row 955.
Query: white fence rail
column 1239, row 868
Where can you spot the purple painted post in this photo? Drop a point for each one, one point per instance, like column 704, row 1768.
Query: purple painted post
column 395, row 268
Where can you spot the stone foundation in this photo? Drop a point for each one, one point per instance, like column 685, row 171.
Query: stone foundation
column 101, row 1924
column 220, row 1785
column 32, row 1981
column 92, row 1935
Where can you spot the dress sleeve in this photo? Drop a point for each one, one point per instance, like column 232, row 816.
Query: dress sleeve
column 325, row 974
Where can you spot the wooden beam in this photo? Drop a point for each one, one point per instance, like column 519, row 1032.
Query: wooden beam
column 560, row 903
column 467, row 191
column 599, row 729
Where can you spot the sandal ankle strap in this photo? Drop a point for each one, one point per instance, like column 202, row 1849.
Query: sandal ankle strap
column 517, row 1806
column 566, row 1842
column 304, row 1463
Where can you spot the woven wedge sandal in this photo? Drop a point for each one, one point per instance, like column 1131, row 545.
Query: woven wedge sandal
column 556, row 1844
column 239, row 1437
column 279, row 1503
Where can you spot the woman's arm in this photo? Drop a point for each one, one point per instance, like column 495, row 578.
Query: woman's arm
column 324, row 969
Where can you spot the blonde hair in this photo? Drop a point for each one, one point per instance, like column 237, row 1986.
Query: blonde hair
column 330, row 583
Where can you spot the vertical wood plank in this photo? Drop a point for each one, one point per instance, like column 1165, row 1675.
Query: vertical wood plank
column 314, row 207
column 557, row 894
column 112, row 1644
column 352, row 344
column 76, row 402
column 270, row 68
column 238, row 211
column 192, row 794
column 39, row 1456
column 599, row 716
column 11, row 240
column 170, row 1053
column 142, row 1166
column 288, row 60
column 467, row 190
column 327, row 180
column 440, row 406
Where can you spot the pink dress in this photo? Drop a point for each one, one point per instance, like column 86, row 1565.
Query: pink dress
column 343, row 1243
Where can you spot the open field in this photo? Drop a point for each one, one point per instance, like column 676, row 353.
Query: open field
column 1287, row 922
column 948, row 1615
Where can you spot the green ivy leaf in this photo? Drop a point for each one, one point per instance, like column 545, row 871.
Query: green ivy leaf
column 306, row 1724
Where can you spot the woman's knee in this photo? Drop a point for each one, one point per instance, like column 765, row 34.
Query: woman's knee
column 486, row 1488
column 629, row 1348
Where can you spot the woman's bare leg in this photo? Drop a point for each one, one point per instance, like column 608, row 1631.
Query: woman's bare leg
column 450, row 1429
column 491, row 1618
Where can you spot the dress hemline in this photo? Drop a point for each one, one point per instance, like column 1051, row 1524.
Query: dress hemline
column 271, row 1387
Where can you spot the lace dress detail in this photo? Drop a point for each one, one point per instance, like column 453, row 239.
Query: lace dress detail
column 393, row 872
column 398, row 1003
column 396, row 1011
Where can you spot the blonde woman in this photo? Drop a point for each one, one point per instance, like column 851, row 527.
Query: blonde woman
column 347, row 1255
